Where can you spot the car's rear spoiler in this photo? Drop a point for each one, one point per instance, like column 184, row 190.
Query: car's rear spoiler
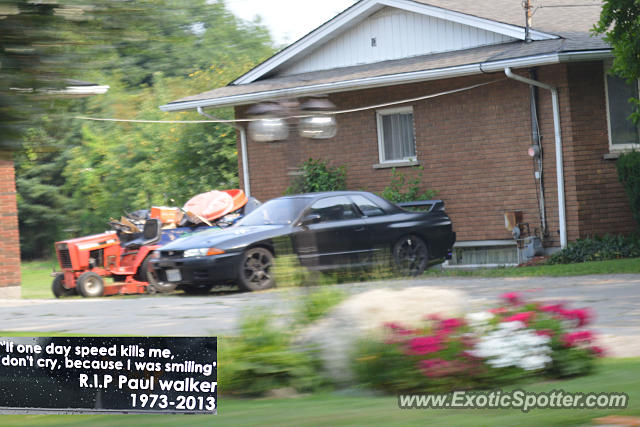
column 428, row 205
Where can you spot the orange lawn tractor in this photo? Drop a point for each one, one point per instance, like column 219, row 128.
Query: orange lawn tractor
column 123, row 253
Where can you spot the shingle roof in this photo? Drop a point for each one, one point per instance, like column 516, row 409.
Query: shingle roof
column 569, row 19
column 572, row 20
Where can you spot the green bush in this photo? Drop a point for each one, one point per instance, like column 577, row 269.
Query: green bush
column 261, row 359
column 402, row 189
column 598, row 249
column 628, row 166
column 316, row 176
column 318, row 303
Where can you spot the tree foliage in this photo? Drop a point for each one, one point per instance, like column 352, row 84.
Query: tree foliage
column 73, row 175
column 620, row 24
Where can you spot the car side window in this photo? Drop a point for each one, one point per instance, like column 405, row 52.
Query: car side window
column 335, row 208
column 367, row 207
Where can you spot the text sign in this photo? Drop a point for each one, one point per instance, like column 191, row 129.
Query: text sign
column 109, row 374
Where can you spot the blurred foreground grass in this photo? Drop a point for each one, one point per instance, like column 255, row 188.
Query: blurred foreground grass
column 36, row 275
column 337, row 409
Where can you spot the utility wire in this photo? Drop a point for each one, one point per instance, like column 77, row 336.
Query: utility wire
column 352, row 110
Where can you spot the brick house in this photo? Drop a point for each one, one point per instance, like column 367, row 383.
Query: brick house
column 465, row 90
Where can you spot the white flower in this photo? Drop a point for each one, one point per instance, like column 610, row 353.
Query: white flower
column 513, row 345
column 479, row 317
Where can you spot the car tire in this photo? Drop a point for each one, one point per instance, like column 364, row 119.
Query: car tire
column 255, row 270
column 149, row 275
column 411, row 255
column 58, row 289
column 90, row 285
column 197, row 289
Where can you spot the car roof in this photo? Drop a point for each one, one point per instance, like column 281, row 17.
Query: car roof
column 385, row 204
column 323, row 194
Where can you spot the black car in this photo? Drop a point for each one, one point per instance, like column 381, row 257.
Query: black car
column 328, row 230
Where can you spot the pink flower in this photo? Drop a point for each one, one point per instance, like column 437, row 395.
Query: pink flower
column 447, row 326
column 433, row 367
column 393, row 326
column 597, row 351
column 524, row 317
column 399, row 329
column 424, row 345
column 544, row 332
column 552, row 308
column 573, row 338
column 498, row 310
column 433, row 317
column 582, row 316
column 513, row 298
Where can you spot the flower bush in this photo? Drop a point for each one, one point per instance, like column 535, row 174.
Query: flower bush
column 514, row 340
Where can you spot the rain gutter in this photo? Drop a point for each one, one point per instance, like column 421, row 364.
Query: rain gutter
column 559, row 161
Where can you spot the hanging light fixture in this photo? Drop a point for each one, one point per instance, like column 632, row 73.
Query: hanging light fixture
column 270, row 122
column 269, row 127
column 317, row 126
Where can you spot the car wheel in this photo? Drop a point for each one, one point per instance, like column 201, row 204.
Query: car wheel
column 197, row 289
column 255, row 270
column 58, row 287
column 411, row 255
column 90, row 285
column 148, row 274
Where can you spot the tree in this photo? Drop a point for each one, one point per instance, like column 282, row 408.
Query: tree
column 620, row 24
column 73, row 175
column 28, row 63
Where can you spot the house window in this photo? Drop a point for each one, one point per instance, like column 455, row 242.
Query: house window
column 396, row 139
column 623, row 134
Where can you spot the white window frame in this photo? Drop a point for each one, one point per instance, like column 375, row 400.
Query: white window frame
column 381, row 153
column 615, row 147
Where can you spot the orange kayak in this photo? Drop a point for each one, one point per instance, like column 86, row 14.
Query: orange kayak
column 216, row 204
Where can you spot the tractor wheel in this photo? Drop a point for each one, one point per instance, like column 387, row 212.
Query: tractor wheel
column 90, row 285
column 255, row 270
column 149, row 275
column 58, row 287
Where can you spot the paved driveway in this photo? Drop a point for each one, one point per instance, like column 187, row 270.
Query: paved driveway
column 615, row 298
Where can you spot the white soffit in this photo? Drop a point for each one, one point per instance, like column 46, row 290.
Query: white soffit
column 339, row 34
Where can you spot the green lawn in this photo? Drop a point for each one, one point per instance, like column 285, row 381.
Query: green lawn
column 613, row 375
column 36, row 278
column 619, row 266
column 36, row 275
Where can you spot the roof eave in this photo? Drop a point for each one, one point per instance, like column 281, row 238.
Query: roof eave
column 360, row 11
column 391, row 79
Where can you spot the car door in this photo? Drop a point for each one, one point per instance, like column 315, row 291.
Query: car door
column 380, row 231
column 335, row 237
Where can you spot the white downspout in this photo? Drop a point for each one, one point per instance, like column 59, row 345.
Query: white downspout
column 243, row 149
column 559, row 162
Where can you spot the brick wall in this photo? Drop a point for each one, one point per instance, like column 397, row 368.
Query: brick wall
column 602, row 205
column 473, row 147
column 9, row 241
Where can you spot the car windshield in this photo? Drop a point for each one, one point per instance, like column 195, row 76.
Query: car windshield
column 277, row 211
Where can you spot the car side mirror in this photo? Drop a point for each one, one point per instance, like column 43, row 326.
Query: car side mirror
column 310, row 219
